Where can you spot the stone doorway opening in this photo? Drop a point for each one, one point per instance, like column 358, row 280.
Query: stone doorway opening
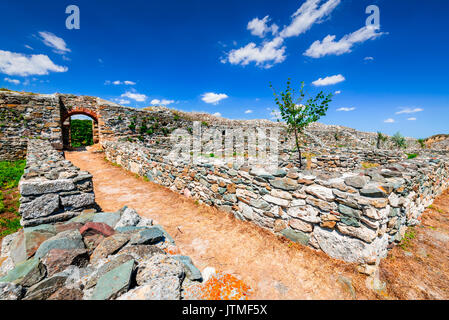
column 79, row 130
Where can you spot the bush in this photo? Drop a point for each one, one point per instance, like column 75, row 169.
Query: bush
column 399, row 140
column 81, row 133
column 411, row 155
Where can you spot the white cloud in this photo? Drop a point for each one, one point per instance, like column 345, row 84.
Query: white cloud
column 269, row 53
column 276, row 115
column 409, row 110
column 53, row 41
column 337, row 92
column 411, row 119
column 29, row 47
column 13, row 81
column 329, row 46
column 118, row 82
column 272, row 52
column 123, row 101
column 217, row 114
column 129, row 83
column 162, row 102
column 260, row 28
column 134, row 96
column 307, row 15
column 248, row 111
column 346, row 109
column 329, row 80
column 368, row 59
column 213, row 98
column 389, row 120
column 12, row 63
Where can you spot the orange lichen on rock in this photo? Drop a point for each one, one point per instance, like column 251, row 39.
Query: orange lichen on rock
column 221, row 286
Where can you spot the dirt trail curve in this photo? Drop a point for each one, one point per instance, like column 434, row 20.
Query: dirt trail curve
column 273, row 267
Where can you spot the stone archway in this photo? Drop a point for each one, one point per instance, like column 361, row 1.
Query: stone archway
column 66, row 126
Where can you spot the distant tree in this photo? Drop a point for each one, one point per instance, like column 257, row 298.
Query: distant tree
column 399, row 140
column 380, row 138
column 422, row 143
column 297, row 112
column 81, row 133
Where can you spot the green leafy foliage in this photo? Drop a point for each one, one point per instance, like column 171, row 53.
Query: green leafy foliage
column 399, row 140
column 422, row 143
column 380, row 138
column 81, row 133
column 411, row 155
column 298, row 112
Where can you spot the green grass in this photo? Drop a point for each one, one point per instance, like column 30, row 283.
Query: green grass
column 11, row 226
column 10, row 173
column 411, row 155
column 408, row 237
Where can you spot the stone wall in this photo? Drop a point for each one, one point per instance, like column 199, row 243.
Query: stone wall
column 351, row 216
column 52, row 189
column 27, row 115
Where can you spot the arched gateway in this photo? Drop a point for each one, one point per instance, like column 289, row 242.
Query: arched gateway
column 65, row 123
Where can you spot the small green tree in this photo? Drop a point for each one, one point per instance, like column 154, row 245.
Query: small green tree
column 399, row 140
column 380, row 138
column 298, row 112
column 422, row 143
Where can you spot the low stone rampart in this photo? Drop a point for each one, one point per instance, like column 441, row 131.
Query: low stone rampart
column 354, row 216
column 52, row 189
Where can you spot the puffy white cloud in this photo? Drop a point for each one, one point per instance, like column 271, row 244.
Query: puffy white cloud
column 368, row 59
column 259, row 27
column 213, row 98
column 217, row 114
column 329, row 46
column 53, row 41
column 311, row 12
column 12, row 63
column 13, row 81
column 412, row 119
column 346, row 109
column 162, row 102
column 129, row 83
column 389, row 120
column 123, row 101
column 337, row 92
column 267, row 54
column 272, row 52
column 409, row 110
column 249, row 111
column 134, row 96
column 329, row 80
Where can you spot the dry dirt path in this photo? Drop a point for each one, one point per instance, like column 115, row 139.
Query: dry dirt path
column 273, row 267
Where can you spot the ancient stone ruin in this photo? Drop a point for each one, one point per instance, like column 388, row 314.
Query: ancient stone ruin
column 351, row 200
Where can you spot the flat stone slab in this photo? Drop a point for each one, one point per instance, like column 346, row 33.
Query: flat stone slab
column 114, row 282
column 38, row 187
column 192, row 272
column 147, row 236
column 66, row 240
column 110, row 218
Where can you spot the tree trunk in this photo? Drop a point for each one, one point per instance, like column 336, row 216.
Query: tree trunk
column 297, row 147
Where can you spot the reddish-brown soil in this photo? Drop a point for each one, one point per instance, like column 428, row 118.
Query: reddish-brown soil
column 273, row 267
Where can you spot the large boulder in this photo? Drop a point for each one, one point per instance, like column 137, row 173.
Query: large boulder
column 128, row 218
column 56, row 260
column 166, row 288
column 10, row 291
column 147, row 236
column 91, row 228
column 67, row 240
column 114, row 283
column 26, row 273
column 110, row 245
column 159, row 266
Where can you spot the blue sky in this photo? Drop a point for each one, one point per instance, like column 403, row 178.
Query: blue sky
column 220, row 56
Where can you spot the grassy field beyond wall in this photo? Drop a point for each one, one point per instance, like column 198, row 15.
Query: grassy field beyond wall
column 10, row 173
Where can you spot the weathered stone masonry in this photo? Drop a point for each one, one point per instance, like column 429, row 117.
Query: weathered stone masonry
column 52, row 189
column 350, row 216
